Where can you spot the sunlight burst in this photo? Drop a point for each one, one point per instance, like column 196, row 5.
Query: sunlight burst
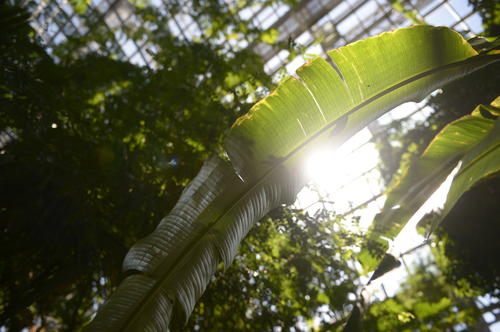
column 324, row 167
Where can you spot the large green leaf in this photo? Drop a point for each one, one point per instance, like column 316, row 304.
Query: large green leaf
column 171, row 267
column 479, row 163
column 473, row 140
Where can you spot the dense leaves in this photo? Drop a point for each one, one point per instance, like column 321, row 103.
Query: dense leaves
column 490, row 12
column 172, row 266
column 471, row 140
column 292, row 270
column 94, row 151
column 426, row 302
column 469, row 234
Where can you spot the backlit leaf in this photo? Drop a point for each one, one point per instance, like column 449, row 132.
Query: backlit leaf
column 266, row 149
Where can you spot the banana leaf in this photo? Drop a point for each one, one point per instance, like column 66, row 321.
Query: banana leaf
column 472, row 140
column 481, row 162
column 262, row 166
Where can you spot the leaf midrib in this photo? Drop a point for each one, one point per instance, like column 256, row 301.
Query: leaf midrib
column 292, row 153
column 477, row 159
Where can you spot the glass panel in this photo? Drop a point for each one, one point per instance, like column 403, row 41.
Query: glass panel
column 367, row 12
column 102, row 5
column 129, row 48
column 137, row 59
column 339, row 11
column 305, row 38
column 112, row 20
column 314, row 6
column 348, row 26
column 440, row 16
column 463, row 8
column 475, row 23
column 59, row 38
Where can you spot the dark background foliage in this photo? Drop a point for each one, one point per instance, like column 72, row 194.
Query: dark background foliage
column 95, row 151
column 470, row 232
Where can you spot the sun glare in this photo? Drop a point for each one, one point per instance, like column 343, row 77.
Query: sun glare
column 346, row 177
column 323, row 167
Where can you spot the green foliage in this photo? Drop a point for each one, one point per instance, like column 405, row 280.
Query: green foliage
column 467, row 239
column 490, row 12
column 387, row 264
column 472, row 140
column 292, row 267
column 94, row 151
column 171, row 267
column 402, row 143
column 425, row 302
